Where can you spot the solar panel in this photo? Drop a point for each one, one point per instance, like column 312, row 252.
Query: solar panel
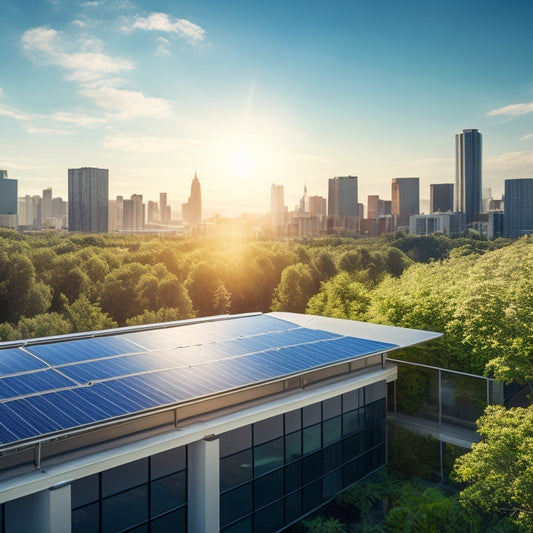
column 69, row 383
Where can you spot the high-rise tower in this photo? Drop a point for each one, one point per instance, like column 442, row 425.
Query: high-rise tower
column 194, row 211
column 467, row 191
column 8, row 201
column 518, row 207
column 405, row 199
column 88, row 199
column 440, row 197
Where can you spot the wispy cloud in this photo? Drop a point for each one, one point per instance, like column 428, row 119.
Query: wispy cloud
column 526, row 137
column 123, row 104
column 7, row 111
column 163, row 46
column 162, row 22
column 508, row 161
column 90, row 63
column 512, row 111
column 149, row 144
column 95, row 73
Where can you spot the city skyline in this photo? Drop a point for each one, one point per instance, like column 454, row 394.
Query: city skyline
column 250, row 97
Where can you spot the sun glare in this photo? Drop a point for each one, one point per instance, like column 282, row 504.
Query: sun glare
column 241, row 162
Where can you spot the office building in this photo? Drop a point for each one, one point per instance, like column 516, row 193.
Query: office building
column 278, row 209
column 405, row 199
column 467, row 191
column 8, row 201
column 88, row 197
column 241, row 423
column 192, row 210
column 164, row 208
column 440, row 197
column 343, row 203
column 518, row 207
column 343, row 197
column 448, row 223
column 133, row 213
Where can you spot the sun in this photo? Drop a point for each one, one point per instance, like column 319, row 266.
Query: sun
column 241, row 162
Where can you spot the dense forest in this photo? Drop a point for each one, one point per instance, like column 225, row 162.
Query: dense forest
column 478, row 293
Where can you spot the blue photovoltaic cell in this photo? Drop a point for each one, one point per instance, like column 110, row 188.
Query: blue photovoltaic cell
column 102, row 378
column 40, row 381
column 82, row 349
column 14, row 360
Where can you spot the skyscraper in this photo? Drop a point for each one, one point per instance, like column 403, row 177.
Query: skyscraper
column 343, row 197
column 440, row 197
column 467, row 191
column 88, row 196
column 277, row 206
column 163, row 208
column 518, row 207
column 8, row 201
column 194, row 211
column 405, row 199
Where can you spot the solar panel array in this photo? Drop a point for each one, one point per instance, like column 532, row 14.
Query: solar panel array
column 53, row 388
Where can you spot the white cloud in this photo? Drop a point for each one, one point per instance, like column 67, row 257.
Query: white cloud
column 509, row 161
column 124, row 104
column 511, row 111
column 13, row 113
column 84, row 65
column 165, row 23
column 163, row 46
column 526, row 137
column 1, row 92
column 78, row 119
column 148, row 144
column 94, row 72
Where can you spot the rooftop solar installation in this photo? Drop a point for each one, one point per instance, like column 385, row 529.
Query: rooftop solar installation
column 50, row 387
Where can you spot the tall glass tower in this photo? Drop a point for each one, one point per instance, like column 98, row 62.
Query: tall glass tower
column 88, row 199
column 405, row 195
column 518, row 207
column 467, row 191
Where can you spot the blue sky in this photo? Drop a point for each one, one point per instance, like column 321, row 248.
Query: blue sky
column 250, row 93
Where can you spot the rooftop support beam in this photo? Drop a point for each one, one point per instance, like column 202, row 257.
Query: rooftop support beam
column 48, row 511
column 204, row 486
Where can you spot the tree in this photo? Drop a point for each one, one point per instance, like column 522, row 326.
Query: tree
column 221, row 300
column 86, row 316
column 294, row 290
column 340, row 297
column 43, row 326
column 499, row 469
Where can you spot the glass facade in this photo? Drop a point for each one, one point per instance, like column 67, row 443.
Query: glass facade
column 146, row 495
column 277, row 470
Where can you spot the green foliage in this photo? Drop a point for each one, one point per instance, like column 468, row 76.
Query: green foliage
column 340, row 297
column 499, row 469
column 86, row 316
column 295, row 288
column 324, row 525
column 43, row 326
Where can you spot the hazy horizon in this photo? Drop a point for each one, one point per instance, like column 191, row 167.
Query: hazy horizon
column 250, row 94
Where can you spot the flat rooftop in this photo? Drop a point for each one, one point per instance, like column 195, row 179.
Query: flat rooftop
column 53, row 386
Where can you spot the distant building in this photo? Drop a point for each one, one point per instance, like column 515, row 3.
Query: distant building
column 133, row 213
column 405, row 199
column 193, row 211
column 448, row 223
column 518, row 210
column 440, row 197
column 8, row 201
column 467, row 191
column 88, row 197
column 153, row 212
column 343, row 202
column 278, row 210
column 164, row 208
